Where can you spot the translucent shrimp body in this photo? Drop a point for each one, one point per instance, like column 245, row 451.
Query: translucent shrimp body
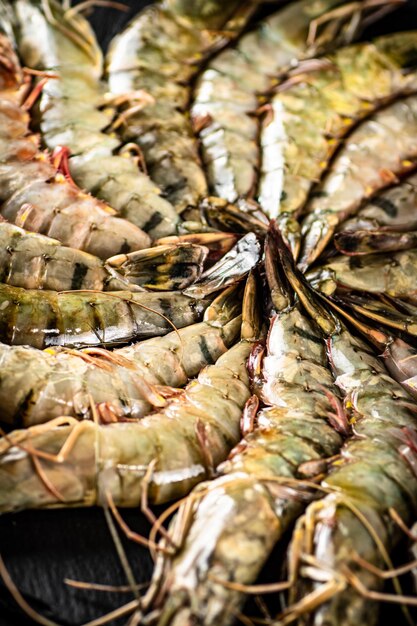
column 37, row 386
column 181, row 442
column 160, row 51
column 250, row 505
column 372, row 476
column 394, row 274
column 82, row 318
column 298, row 140
column 381, row 149
column 67, row 47
column 228, row 93
column 394, row 209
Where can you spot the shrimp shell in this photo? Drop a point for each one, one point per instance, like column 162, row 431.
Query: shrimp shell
column 68, row 45
column 227, row 93
column 393, row 274
column 372, row 476
column 249, row 506
column 372, row 158
column 393, row 209
column 33, row 195
column 82, row 318
column 34, row 261
column 298, row 141
column 200, row 424
column 38, row 386
column 160, row 51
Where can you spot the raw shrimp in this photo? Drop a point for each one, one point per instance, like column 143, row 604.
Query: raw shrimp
column 394, row 210
column 65, row 44
column 227, row 93
column 33, row 195
column 260, row 490
column 400, row 358
column 68, row 463
column 34, row 261
column 381, row 149
column 159, row 52
column 87, row 318
column 217, row 243
column 386, row 223
column 315, row 109
column 360, row 242
column 37, row 386
column 162, row 268
column 394, row 274
column 375, row 474
column 231, row 268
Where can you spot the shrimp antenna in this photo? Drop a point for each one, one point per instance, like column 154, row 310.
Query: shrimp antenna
column 75, row 34
column 124, row 561
column 87, row 4
column 88, row 586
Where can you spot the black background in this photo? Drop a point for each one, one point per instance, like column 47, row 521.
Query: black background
column 41, row 548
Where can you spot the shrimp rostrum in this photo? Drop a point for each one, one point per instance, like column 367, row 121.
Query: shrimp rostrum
column 71, row 463
column 261, row 489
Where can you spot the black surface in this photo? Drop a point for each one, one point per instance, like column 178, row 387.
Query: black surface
column 41, row 548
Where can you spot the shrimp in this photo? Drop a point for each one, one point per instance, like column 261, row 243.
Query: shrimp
column 360, row 242
column 82, row 318
column 159, row 52
column 217, row 243
column 374, row 155
column 400, row 358
column 375, row 473
column 167, row 453
column 35, row 196
column 37, row 386
column 386, row 223
column 66, row 44
column 298, row 141
column 259, row 491
column 163, row 268
column 233, row 85
column 393, row 275
column 231, row 268
column 34, row 261
column 391, row 210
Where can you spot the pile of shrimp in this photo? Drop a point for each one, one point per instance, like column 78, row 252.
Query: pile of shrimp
column 208, row 300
